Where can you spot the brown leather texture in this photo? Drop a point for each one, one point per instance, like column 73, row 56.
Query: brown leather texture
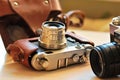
column 79, row 38
column 5, row 8
column 22, row 49
column 34, row 12
column 27, row 15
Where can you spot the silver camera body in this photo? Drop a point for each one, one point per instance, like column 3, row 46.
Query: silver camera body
column 54, row 49
column 73, row 53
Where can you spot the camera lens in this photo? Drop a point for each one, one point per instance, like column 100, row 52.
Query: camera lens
column 105, row 60
column 53, row 35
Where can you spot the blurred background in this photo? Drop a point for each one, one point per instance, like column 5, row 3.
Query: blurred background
column 99, row 13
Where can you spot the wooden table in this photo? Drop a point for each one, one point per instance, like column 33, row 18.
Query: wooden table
column 10, row 70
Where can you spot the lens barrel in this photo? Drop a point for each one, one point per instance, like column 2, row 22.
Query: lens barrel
column 105, row 60
column 53, row 35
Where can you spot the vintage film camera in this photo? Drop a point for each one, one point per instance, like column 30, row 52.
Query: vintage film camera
column 54, row 49
column 105, row 59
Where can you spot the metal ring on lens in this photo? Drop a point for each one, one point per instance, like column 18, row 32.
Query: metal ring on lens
column 96, row 61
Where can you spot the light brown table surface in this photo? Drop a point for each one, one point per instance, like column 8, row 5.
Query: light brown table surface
column 9, row 70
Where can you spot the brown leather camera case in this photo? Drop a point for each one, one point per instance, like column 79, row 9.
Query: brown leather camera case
column 26, row 15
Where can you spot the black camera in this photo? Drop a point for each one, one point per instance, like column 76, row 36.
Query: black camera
column 105, row 59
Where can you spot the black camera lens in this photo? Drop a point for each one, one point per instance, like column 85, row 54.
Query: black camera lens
column 105, row 60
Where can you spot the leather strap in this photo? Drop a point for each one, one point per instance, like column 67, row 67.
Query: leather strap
column 79, row 38
column 78, row 14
